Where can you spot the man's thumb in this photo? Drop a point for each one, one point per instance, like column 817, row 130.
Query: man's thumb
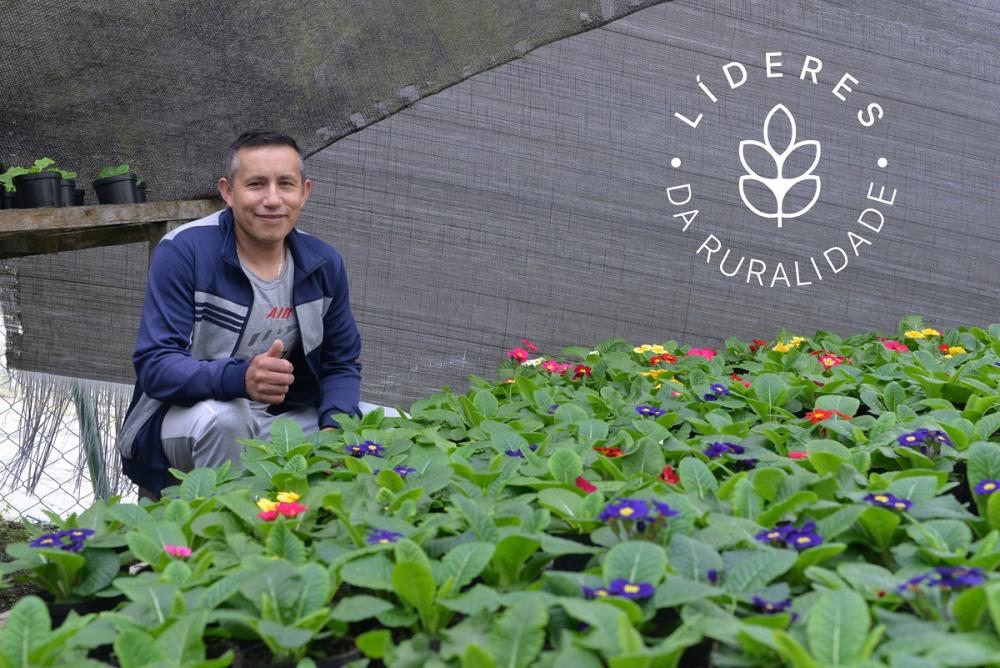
column 276, row 349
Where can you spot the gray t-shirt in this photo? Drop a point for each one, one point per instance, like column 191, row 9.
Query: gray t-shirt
column 272, row 316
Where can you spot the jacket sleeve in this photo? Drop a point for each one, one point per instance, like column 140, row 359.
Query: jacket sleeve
column 163, row 364
column 340, row 368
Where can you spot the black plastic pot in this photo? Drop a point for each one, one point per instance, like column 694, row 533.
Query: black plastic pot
column 38, row 190
column 142, row 191
column 78, row 195
column 8, row 200
column 117, row 189
column 60, row 611
column 66, row 188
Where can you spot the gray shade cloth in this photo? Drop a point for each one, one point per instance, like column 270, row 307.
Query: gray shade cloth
column 531, row 200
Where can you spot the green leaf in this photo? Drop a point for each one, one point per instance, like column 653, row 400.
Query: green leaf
column 771, row 388
column 283, row 543
column 406, row 550
column 135, row 648
column 286, row 637
column 767, row 482
column 475, row 656
column 692, row 559
column 970, row 610
column 993, row 510
column 565, row 466
column 696, row 477
column 176, row 572
column 636, row 561
column 833, row 402
column 414, row 584
column 986, row 426
column 465, row 562
column 880, row 524
column 98, row 572
column 375, row 644
column 285, row 434
column 563, row 503
column 486, row 404
column 511, row 554
column 356, row 608
column 25, row 629
column 748, row 571
column 827, row 455
column 836, row 627
column 777, row 511
column 198, row 483
column 519, row 634
column 373, row 571
column 592, row 431
column 792, row 650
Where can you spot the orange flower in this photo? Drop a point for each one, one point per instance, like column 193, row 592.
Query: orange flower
column 663, row 357
column 817, row 415
column 609, row 452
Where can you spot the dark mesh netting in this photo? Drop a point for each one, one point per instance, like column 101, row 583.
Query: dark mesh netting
column 531, row 199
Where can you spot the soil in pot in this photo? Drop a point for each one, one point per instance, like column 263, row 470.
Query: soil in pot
column 117, row 189
column 38, row 190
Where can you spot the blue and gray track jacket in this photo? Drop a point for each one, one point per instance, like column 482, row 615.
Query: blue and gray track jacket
column 197, row 303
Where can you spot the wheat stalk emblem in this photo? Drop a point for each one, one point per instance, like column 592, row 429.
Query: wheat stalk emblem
column 779, row 118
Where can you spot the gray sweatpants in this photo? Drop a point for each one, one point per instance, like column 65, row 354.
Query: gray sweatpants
column 205, row 434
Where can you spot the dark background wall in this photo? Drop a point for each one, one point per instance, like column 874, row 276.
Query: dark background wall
column 530, row 200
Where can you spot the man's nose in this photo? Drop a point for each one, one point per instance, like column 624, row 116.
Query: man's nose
column 271, row 195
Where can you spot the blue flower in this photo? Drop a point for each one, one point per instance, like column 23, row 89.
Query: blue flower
column 771, row 607
column 383, row 537
column 886, row 500
column 986, row 486
column 627, row 509
column 665, row 510
column 367, row 448
column 404, row 471
column 652, row 411
column 596, row 592
column 628, row 589
column 514, row 453
column 713, row 576
column 553, row 408
column 52, row 540
column 715, row 450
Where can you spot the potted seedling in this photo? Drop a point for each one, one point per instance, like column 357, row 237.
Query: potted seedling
column 69, row 193
column 116, row 184
column 37, row 187
column 8, row 194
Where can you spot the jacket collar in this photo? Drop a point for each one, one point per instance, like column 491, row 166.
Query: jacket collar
column 305, row 260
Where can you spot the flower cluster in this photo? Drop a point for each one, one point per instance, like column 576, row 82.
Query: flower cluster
column 716, row 391
column 637, row 513
column 817, row 415
column 555, row 367
column 519, row 355
column 944, row 577
column 651, row 411
column 707, row 353
column 782, row 347
column 895, row 346
column 70, row 540
column 367, row 448
column 886, row 500
column 623, row 588
column 921, row 333
column 951, row 351
column 287, row 504
column 383, row 537
column 656, row 349
column 785, row 533
column 924, row 440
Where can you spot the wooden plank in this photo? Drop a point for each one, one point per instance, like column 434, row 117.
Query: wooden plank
column 36, row 231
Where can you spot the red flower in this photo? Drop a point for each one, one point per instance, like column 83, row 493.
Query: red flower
column 662, row 357
column 585, row 485
column 529, row 345
column 518, row 355
column 817, row 415
column 707, row 353
column 580, row 370
column 943, row 347
column 293, row 509
column 268, row 515
column 798, row 454
column 828, row 359
column 739, row 379
column 669, row 476
column 757, row 344
column 895, row 345
column 609, row 452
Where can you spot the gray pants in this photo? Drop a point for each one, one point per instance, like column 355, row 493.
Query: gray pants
column 205, row 434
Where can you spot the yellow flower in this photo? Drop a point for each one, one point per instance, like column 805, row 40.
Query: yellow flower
column 287, row 497
column 674, row 380
column 782, row 347
column 796, row 340
column 955, row 350
column 266, row 505
column 930, row 332
column 654, row 373
column 650, row 348
column 914, row 334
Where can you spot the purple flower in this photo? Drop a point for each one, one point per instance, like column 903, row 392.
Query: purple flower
column 800, row 538
column 665, row 510
column 52, row 540
column 715, row 450
column 367, row 448
column 628, row 589
column 803, row 540
column 77, row 535
column 775, row 535
column 922, row 439
column 913, row 438
column 713, row 576
column 717, row 390
column 913, row 584
column 596, row 592
column 746, row 464
column 628, row 509
column 533, row 447
column 383, row 537
column 653, row 411
column 514, row 453
column 553, row 408
column 956, row 577
column 886, row 500
column 771, row 607
column 986, row 486
column 404, row 471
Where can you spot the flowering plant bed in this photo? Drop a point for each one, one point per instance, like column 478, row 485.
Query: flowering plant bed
column 807, row 502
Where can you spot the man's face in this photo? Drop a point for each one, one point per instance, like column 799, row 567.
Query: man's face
column 266, row 194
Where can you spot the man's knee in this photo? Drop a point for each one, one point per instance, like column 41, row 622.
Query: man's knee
column 205, row 434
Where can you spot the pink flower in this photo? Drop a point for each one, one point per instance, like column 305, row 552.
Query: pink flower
column 896, row 345
column 293, row 509
column 669, row 476
column 180, row 551
column 798, row 454
column 675, row 393
column 268, row 515
column 707, row 353
column 529, row 345
column 554, row 366
column 585, row 484
column 580, row 371
column 518, row 355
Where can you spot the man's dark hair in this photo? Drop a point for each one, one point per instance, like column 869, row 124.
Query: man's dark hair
column 255, row 138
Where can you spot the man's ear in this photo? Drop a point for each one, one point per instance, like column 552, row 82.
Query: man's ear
column 306, row 189
column 226, row 191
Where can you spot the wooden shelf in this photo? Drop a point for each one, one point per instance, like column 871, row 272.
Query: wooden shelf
column 36, row 231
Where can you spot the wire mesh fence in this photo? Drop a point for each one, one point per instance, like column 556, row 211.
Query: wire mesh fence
column 54, row 437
